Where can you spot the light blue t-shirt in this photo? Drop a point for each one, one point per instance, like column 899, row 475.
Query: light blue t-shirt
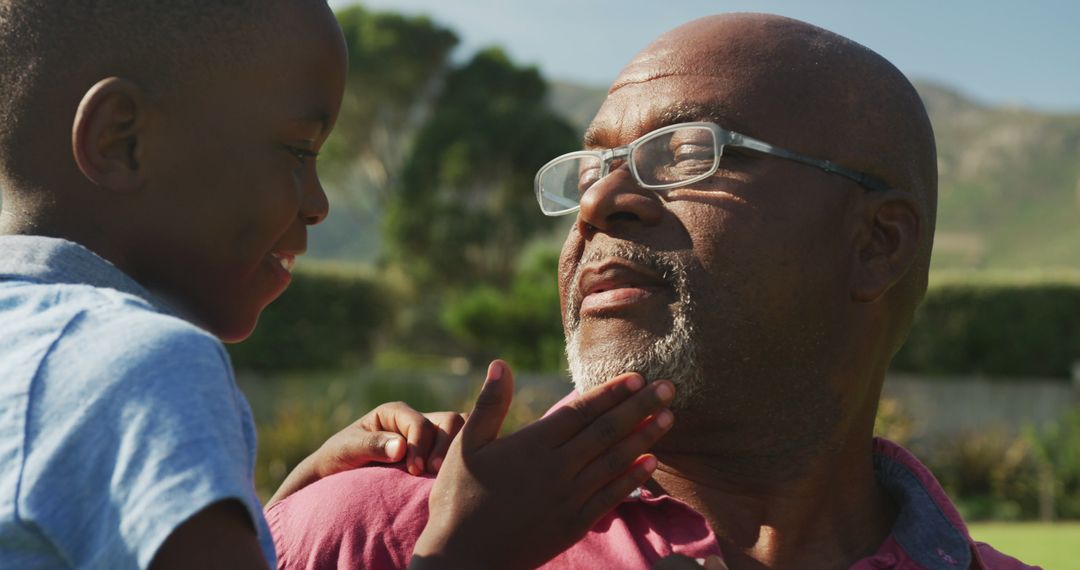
column 118, row 419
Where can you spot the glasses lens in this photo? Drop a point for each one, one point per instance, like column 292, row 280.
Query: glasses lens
column 676, row 156
column 563, row 181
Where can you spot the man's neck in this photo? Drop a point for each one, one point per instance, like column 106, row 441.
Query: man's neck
column 830, row 514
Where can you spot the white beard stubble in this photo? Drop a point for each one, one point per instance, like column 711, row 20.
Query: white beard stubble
column 671, row 357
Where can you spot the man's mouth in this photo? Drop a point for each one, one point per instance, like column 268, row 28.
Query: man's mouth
column 616, row 284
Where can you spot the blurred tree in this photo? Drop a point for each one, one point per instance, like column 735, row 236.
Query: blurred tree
column 521, row 324
column 465, row 207
column 396, row 66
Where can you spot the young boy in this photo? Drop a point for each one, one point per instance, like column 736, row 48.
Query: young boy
column 157, row 164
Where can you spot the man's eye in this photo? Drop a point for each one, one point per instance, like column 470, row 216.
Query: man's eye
column 587, row 178
column 689, row 152
column 691, row 160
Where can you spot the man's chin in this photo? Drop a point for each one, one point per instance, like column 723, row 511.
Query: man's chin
column 667, row 358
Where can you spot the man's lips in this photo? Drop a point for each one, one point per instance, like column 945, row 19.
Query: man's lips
column 615, row 284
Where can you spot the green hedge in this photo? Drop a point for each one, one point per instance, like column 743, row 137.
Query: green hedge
column 329, row 318
column 996, row 326
column 522, row 325
column 989, row 325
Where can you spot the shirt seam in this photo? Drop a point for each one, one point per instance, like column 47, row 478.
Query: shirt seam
column 34, row 380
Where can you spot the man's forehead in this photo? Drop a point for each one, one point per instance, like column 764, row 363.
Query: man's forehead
column 638, row 108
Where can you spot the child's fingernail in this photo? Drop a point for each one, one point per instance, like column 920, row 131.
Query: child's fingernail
column 495, row 370
column 419, row 463
column 635, row 382
column 392, row 447
column 436, row 464
column 665, row 391
column 649, row 464
column 664, row 418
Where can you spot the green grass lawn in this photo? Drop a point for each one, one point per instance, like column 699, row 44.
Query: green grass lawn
column 1052, row 546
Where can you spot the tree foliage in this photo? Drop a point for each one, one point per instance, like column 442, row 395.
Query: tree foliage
column 396, row 66
column 521, row 324
column 465, row 207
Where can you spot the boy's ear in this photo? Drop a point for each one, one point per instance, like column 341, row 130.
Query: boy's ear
column 889, row 243
column 108, row 133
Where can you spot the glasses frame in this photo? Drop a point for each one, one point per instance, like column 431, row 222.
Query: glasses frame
column 721, row 137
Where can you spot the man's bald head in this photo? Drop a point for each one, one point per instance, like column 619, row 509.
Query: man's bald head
column 833, row 98
column 52, row 51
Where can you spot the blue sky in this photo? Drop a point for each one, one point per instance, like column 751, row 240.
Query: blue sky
column 996, row 52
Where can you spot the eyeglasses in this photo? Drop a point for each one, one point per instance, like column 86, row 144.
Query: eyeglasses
column 669, row 157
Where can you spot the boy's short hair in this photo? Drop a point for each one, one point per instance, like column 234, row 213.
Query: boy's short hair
column 52, row 51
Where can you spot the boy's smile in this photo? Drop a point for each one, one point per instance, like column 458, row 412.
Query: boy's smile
column 231, row 184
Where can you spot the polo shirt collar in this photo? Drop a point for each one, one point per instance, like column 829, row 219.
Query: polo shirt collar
column 59, row 261
column 928, row 527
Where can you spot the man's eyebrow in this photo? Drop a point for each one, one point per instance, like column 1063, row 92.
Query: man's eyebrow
column 592, row 136
column 713, row 112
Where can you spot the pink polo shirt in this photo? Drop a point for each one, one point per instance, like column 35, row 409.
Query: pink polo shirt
column 372, row 517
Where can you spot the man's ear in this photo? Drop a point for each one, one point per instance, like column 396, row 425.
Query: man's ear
column 108, row 132
column 889, row 243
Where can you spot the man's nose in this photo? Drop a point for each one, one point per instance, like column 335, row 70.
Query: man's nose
column 617, row 198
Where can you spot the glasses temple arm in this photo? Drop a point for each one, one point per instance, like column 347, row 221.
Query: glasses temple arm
column 863, row 179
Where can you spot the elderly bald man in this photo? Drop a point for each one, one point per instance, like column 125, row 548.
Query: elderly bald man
column 755, row 211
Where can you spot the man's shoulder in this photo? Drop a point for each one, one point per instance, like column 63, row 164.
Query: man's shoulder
column 369, row 495
column 367, row 517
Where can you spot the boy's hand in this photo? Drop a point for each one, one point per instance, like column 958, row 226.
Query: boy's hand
column 518, row 501
column 388, row 434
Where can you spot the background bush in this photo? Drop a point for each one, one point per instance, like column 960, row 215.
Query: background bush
column 330, row 318
column 522, row 325
column 333, row 315
column 996, row 326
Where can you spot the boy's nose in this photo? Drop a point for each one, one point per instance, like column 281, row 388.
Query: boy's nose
column 316, row 206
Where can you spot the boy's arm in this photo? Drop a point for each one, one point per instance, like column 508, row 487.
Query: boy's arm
column 518, row 501
column 390, row 433
column 217, row 537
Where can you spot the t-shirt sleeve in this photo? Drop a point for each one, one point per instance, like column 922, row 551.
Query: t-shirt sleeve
column 365, row 518
column 138, row 427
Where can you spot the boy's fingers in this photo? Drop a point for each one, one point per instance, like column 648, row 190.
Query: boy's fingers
column 615, row 425
column 419, row 433
column 447, row 425
column 420, row 438
column 615, row 492
column 490, row 409
column 616, row 461
column 356, row 447
column 567, row 421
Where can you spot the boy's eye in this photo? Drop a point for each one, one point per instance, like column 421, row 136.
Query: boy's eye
column 302, row 154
